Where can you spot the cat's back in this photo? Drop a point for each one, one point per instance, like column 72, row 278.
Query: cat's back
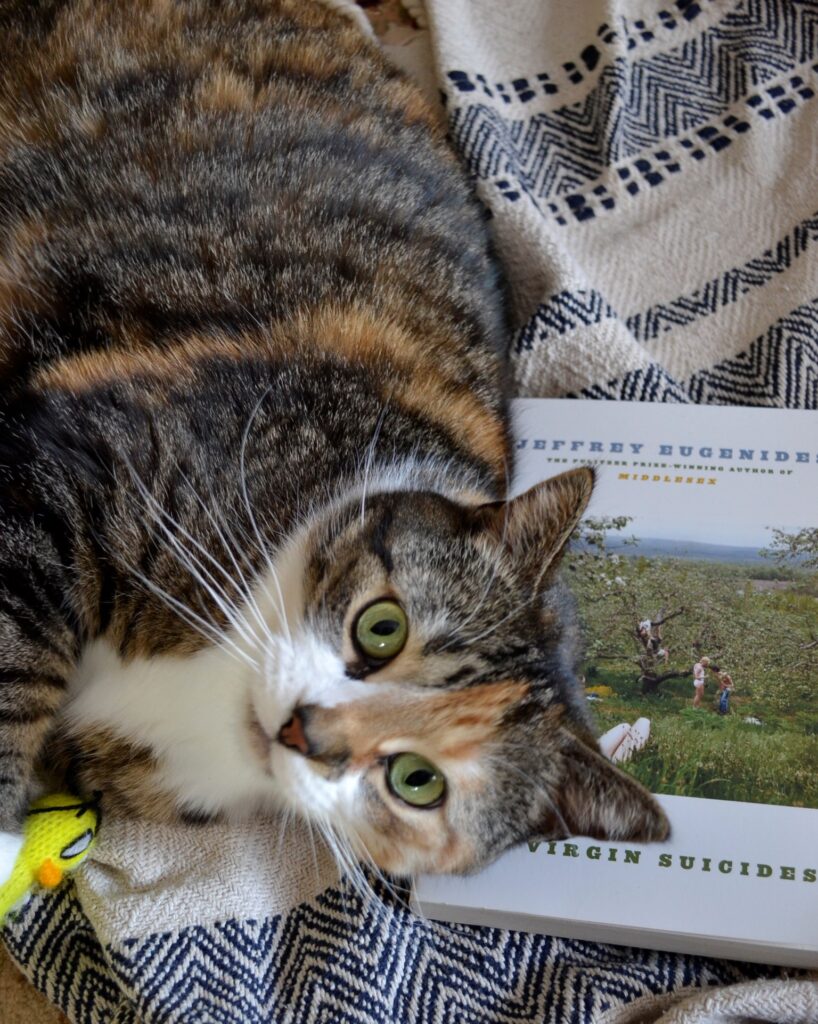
column 173, row 169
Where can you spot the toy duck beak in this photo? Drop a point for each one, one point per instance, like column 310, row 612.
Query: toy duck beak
column 49, row 874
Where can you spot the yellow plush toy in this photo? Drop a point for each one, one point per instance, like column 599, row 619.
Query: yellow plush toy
column 59, row 831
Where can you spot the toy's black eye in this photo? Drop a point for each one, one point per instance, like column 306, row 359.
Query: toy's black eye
column 78, row 846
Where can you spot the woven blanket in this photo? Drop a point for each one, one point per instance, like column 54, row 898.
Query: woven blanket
column 650, row 168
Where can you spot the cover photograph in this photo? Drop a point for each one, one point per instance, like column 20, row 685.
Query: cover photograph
column 695, row 574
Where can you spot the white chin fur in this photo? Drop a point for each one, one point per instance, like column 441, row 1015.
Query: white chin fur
column 10, row 845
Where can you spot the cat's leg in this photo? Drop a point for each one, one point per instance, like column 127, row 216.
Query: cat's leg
column 38, row 648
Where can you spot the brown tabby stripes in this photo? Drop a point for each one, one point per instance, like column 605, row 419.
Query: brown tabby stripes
column 201, row 203
column 252, row 352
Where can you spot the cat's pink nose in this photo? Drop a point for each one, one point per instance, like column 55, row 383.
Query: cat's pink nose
column 316, row 733
column 292, row 734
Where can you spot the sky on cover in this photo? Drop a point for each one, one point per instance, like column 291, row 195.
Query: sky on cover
column 738, row 510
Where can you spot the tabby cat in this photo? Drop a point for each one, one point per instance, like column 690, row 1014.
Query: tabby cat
column 255, row 551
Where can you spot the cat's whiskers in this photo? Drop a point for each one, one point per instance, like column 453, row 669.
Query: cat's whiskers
column 285, row 817
column 259, row 581
column 346, row 870
column 370, row 455
column 350, row 850
column 261, row 542
column 346, row 864
column 209, row 630
column 246, row 309
column 246, row 588
column 373, row 867
column 345, row 858
column 203, row 576
column 311, row 834
column 370, row 896
column 326, row 834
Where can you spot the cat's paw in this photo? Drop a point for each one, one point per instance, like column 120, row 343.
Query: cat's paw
column 10, row 845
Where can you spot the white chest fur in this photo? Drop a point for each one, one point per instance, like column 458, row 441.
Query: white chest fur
column 191, row 712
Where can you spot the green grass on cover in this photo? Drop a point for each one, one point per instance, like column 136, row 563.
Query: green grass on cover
column 700, row 753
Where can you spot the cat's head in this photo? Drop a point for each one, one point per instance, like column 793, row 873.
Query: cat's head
column 426, row 707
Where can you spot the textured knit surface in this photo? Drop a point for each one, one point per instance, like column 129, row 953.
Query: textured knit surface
column 793, row 1001
column 650, row 168
column 651, row 171
column 330, row 959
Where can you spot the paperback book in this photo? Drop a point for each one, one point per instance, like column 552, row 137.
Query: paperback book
column 695, row 574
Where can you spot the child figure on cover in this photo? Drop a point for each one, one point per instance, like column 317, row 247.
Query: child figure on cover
column 725, row 689
column 699, row 670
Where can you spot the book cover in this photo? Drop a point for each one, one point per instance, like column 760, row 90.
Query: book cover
column 696, row 578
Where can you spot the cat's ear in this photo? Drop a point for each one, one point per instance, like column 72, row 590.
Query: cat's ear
column 597, row 799
column 536, row 525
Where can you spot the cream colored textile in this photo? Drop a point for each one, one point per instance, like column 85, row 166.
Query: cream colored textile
column 650, row 169
column 141, row 880
column 754, row 1002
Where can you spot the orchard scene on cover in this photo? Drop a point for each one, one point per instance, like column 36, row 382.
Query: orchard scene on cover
column 714, row 650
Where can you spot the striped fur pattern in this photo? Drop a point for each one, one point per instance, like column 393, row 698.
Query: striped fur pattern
column 251, row 359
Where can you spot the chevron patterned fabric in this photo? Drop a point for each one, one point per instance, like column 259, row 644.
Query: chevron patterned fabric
column 650, row 167
column 336, row 960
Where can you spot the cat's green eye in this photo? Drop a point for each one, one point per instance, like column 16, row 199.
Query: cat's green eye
column 381, row 630
column 415, row 780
